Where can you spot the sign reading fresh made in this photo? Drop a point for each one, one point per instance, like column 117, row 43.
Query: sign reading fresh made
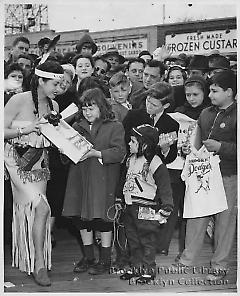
column 225, row 41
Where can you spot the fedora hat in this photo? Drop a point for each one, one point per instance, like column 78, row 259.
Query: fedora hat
column 219, row 62
column 198, row 62
column 112, row 51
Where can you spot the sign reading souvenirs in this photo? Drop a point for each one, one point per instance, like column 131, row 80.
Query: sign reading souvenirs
column 225, row 41
column 128, row 48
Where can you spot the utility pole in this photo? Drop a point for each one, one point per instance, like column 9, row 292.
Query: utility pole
column 164, row 14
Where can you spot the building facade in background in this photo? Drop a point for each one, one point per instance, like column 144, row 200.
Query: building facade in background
column 195, row 37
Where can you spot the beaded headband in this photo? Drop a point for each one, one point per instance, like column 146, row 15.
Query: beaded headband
column 49, row 75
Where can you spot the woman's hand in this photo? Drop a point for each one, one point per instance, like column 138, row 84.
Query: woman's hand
column 33, row 127
column 92, row 153
column 161, row 53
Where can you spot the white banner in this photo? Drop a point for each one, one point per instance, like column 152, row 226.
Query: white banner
column 204, row 43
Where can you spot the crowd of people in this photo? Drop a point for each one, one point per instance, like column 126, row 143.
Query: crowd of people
column 144, row 117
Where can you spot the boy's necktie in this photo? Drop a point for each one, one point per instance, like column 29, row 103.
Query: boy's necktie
column 152, row 119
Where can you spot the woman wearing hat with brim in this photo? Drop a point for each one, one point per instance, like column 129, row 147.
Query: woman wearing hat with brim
column 86, row 45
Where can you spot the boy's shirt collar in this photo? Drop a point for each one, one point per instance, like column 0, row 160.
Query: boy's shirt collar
column 225, row 109
column 125, row 104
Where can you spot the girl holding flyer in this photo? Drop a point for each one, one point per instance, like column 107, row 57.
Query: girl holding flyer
column 90, row 192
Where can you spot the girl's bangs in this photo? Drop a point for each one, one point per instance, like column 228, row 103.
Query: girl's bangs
column 87, row 102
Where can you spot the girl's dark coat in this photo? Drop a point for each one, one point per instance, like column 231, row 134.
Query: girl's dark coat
column 91, row 185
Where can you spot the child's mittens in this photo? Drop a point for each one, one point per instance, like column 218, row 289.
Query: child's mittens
column 166, row 210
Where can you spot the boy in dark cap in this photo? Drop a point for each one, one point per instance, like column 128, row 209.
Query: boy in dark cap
column 145, row 189
column 86, row 45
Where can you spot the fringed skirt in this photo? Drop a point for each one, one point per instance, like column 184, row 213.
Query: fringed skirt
column 28, row 190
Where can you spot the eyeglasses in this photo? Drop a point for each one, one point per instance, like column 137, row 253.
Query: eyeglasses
column 102, row 71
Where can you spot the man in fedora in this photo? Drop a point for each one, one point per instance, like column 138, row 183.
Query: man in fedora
column 217, row 63
column 115, row 59
column 198, row 66
column 86, row 45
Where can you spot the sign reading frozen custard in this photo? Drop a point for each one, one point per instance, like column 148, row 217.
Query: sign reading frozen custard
column 193, row 43
column 128, row 47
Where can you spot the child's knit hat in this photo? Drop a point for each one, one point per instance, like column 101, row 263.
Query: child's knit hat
column 149, row 133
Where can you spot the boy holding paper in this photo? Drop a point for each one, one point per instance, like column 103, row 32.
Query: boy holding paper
column 217, row 130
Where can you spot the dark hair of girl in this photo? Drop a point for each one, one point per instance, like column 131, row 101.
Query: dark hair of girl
column 92, row 82
column 144, row 149
column 95, row 96
column 48, row 66
column 82, row 56
column 176, row 67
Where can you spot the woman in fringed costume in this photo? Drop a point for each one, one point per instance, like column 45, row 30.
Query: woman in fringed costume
column 26, row 160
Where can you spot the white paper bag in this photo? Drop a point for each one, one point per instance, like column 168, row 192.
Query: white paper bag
column 205, row 194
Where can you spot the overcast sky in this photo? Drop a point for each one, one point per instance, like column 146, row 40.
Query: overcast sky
column 99, row 15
